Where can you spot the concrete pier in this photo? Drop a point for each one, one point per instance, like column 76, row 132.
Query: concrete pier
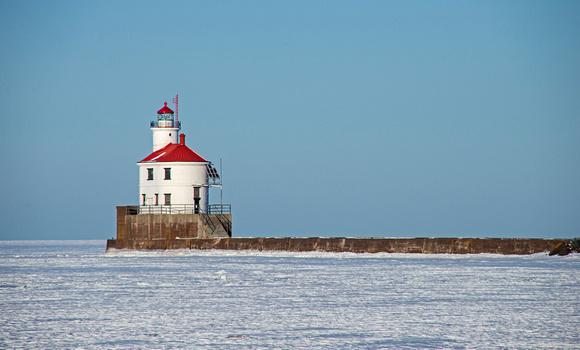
column 518, row 246
column 162, row 226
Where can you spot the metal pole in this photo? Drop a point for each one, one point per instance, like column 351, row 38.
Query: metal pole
column 175, row 100
column 221, row 183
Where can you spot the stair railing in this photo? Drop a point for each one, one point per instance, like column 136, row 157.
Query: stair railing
column 226, row 223
column 209, row 223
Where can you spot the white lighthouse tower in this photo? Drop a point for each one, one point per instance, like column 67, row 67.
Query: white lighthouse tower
column 174, row 179
column 165, row 129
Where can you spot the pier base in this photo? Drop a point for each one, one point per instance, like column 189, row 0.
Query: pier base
column 517, row 246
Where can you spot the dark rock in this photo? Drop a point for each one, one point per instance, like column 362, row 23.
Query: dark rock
column 560, row 249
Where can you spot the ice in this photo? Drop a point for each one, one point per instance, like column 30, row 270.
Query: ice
column 71, row 294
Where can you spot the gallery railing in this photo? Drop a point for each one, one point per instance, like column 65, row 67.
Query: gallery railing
column 165, row 123
column 224, row 209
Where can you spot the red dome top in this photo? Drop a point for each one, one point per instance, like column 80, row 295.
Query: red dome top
column 165, row 110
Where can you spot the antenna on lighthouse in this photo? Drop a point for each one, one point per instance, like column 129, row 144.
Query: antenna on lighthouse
column 176, row 109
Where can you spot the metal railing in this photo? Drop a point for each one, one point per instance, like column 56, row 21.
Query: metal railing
column 226, row 223
column 179, row 209
column 168, row 209
column 209, row 223
column 155, row 124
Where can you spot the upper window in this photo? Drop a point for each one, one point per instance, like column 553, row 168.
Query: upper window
column 149, row 173
column 167, row 173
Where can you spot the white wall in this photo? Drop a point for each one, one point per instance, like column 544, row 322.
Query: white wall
column 184, row 176
column 164, row 136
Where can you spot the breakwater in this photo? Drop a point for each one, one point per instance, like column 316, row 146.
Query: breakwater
column 518, row 246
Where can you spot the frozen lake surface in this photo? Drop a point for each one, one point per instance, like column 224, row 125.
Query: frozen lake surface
column 71, row 294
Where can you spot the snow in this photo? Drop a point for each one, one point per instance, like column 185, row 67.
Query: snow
column 71, row 294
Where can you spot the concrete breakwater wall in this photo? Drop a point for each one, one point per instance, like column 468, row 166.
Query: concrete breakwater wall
column 162, row 226
column 519, row 246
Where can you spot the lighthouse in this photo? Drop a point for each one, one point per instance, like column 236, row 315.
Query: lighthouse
column 174, row 183
column 174, row 176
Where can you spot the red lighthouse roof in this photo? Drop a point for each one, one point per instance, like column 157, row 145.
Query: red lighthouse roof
column 165, row 110
column 174, row 152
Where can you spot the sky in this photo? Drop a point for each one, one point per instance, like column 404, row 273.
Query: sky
column 331, row 118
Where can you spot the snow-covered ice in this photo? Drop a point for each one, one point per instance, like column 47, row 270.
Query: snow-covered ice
column 71, row 294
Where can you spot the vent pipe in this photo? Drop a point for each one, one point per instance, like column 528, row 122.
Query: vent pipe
column 182, row 139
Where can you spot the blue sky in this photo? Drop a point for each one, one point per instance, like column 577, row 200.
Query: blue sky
column 333, row 118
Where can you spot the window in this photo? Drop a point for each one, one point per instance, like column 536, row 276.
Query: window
column 168, row 199
column 167, row 173
column 149, row 173
column 156, row 198
column 143, row 195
